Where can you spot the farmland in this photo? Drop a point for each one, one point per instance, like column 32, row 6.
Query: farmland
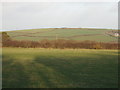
column 63, row 33
column 47, row 66
column 59, row 68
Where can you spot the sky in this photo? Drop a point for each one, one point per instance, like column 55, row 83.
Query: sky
column 32, row 15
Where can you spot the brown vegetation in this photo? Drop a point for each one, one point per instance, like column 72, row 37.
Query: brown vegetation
column 60, row 43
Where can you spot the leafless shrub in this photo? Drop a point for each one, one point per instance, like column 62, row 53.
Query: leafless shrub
column 60, row 43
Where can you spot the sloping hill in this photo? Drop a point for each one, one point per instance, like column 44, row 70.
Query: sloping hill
column 63, row 33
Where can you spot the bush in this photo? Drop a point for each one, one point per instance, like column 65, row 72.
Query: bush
column 60, row 43
column 97, row 46
column 5, row 36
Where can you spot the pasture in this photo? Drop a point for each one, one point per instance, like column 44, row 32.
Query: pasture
column 59, row 68
column 63, row 33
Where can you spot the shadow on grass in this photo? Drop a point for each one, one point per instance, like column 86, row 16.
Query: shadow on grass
column 13, row 74
column 83, row 72
column 61, row 72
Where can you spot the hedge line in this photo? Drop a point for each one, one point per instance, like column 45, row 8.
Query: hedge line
column 60, row 43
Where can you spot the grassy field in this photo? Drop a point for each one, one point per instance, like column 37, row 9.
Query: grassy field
column 61, row 33
column 59, row 68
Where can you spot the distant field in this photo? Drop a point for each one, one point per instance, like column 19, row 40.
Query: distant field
column 63, row 33
column 65, row 68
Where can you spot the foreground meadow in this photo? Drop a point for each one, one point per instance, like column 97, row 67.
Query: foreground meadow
column 59, row 68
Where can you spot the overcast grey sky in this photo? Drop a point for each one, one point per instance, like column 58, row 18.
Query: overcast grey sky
column 29, row 15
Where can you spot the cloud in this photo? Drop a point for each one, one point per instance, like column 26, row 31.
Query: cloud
column 0, row 16
column 54, row 14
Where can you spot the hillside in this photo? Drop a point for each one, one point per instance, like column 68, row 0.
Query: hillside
column 63, row 33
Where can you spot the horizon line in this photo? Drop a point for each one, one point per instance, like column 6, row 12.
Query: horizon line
column 59, row 28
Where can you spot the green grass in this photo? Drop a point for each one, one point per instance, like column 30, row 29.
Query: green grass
column 59, row 68
column 74, row 34
column 99, row 38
